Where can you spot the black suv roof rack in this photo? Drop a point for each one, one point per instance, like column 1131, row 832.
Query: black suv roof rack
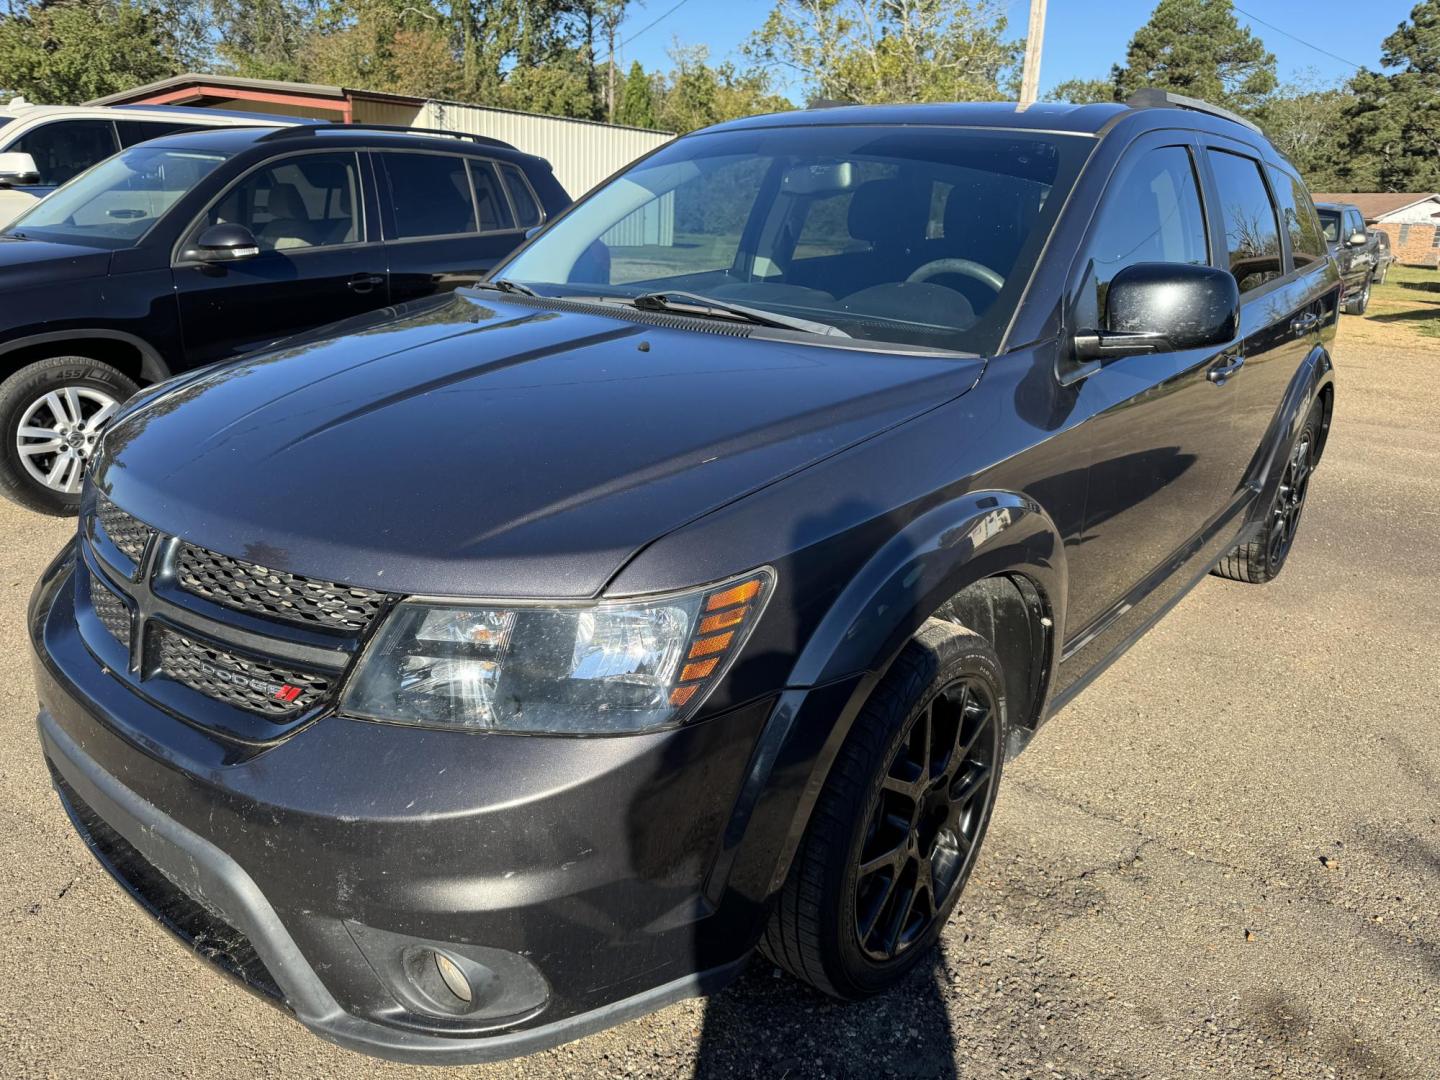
column 311, row 129
column 1152, row 97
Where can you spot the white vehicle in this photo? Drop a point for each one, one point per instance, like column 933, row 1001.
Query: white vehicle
column 42, row 146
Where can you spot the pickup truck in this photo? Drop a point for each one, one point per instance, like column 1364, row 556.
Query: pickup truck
column 1355, row 249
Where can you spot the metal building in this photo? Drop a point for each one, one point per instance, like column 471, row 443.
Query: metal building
column 583, row 152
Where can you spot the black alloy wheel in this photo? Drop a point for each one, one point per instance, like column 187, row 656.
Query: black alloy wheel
column 1290, row 499
column 925, row 824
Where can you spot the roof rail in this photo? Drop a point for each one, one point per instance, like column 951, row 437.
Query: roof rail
column 1152, row 97
column 312, row 129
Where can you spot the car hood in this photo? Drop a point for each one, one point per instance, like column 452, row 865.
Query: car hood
column 39, row 262
column 481, row 447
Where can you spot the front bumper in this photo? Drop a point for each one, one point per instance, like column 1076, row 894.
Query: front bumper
column 308, row 867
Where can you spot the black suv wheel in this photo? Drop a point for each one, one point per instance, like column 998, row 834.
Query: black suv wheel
column 51, row 416
column 899, row 822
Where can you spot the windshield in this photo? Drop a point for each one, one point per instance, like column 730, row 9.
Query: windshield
column 916, row 235
column 1330, row 225
column 115, row 203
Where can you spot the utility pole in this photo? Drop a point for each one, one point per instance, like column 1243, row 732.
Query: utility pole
column 1030, row 73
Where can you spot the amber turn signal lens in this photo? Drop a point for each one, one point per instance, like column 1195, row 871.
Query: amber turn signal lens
column 681, row 694
column 711, row 623
column 737, row 594
column 699, row 669
column 711, row 645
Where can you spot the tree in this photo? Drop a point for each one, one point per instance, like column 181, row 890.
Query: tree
column 1306, row 121
column 695, row 94
column 69, row 52
column 871, row 51
column 1196, row 48
column 637, row 99
column 1394, row 119
column 562, row 86
column 263, row 39
column 395, row 46
column 1082, row 91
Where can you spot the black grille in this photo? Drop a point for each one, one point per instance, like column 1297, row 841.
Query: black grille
column 124, row 531
column 197, row 924
column 112, row 612
column 275, row 594
column 253, row 685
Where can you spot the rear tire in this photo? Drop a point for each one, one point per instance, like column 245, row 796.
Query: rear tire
column 52, row 413
column 866, row 897
column 1264, row 557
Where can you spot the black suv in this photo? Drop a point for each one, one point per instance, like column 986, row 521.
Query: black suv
column 1357, row 252
column 194, row 248
column 492, row 673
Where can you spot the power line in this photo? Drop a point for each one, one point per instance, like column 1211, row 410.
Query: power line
column 648, row 26
column 1302, row 41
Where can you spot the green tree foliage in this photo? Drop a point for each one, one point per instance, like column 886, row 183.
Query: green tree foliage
column 262, row 39
column 1305, row 119
column 636, row 106
column 1394, row 118
column 696, row 94
column 870, row 51
column 1195, row 47
column 68, row 52
column 1082, row 91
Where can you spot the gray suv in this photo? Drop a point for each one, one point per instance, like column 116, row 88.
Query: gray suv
column 1355, row 249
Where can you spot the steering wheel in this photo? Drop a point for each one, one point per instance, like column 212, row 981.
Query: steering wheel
column 968, row 267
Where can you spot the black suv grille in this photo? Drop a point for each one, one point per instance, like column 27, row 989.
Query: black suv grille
column 124, row 531
column 113, row 613
column 253, row 685
column 198, row 925
column 275, row 594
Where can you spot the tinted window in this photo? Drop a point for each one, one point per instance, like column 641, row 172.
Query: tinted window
column 526, row 208
column 1251, row 235
column 430, row 194
column 67, row 148
column 921, row 235
column 1329, row 225
column 489, row 199
column 114, row 204
column 137, row 131
column 1298, row 212
column 307, row 201
column 1152, row 214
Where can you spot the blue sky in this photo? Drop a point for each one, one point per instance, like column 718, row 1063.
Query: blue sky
column 1082, row 38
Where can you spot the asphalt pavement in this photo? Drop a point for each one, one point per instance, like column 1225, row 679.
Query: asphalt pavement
column 1223, row 858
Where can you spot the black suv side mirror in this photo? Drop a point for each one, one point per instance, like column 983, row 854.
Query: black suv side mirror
column 1357, row 239
column 224, row 243
column 1164, row 307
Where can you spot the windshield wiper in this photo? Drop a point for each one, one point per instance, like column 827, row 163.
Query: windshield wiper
column 688, row 303
column 505, row 285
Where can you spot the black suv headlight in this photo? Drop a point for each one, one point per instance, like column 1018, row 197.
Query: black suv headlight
column 610, row 667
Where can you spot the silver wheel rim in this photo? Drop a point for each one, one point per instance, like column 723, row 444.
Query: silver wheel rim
column 58, row 434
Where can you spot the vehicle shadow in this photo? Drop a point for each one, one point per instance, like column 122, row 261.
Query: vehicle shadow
column 768, row 1024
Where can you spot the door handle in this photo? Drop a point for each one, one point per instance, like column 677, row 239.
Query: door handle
column 1227, row 365
column 364, row 283
column 1303, row 324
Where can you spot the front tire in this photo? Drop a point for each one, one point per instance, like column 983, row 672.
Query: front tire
column 1357, row 304
column 899, row 822
column 52, row 413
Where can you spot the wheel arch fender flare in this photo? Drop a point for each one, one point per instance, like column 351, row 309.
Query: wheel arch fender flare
column 1313, row 379
column 153, row 367
column 979, row 535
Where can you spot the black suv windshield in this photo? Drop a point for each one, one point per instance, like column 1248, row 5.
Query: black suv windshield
column 922, row 236
column 114, row 204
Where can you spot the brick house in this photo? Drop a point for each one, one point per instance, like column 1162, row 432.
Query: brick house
column 1412, row 221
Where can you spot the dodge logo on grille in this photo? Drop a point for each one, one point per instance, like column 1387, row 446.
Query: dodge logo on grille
column 282, row 691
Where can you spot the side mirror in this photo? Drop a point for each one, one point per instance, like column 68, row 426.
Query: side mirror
column 224, row 243
column 1164, row 307
column 1357, row 239
column 18, row 169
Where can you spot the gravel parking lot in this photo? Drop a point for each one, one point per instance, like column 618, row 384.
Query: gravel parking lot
column 1224, row 858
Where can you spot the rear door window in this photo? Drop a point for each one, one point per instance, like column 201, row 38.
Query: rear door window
column 1252, row 236
column 527, row 210
column 67, row 148
column 429, row 194
column 490, row 201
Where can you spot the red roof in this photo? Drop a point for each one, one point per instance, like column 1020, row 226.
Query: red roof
column 1376, row 204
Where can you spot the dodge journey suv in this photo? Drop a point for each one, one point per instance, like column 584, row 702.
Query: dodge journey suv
column 470, row 679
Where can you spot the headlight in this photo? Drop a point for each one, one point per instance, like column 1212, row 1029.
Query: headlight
column 596, row 669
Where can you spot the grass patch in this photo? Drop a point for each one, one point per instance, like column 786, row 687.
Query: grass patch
column 1410, row 295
